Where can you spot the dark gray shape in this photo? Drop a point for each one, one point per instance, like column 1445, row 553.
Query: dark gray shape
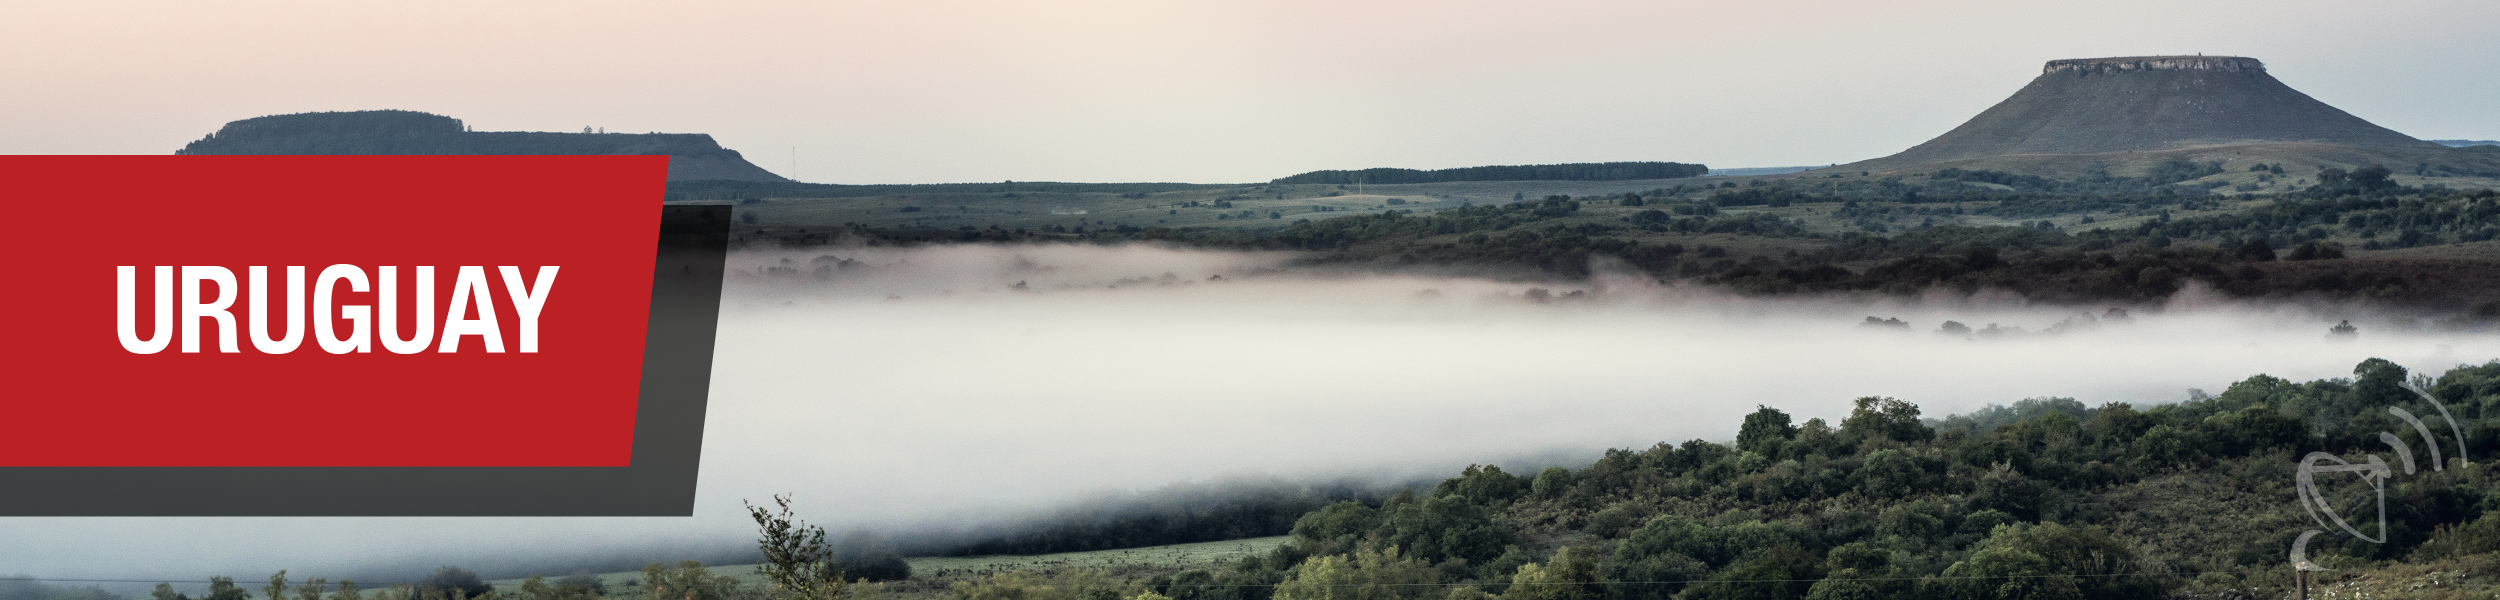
column 2300, row 552
column 2374, row 472
column 2459, row 433
column 2392, row 441
column 2437, row 463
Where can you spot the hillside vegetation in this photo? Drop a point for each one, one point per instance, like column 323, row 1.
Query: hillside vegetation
column 2047, row 498
column 2255, row 230
column 2044, row 498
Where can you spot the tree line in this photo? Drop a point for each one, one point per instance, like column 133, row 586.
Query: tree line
column 1609, row 171
column 1179, row 513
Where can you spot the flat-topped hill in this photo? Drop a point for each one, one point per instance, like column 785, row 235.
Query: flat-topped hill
column 692, row 156
column 2116, row 64
column 2158, row 104
column 2083, row 106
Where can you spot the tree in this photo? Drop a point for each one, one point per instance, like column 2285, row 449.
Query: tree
column 2317, row 250
column 796, row 559
column 1886, row 474
column 2373, row 179
column 1556, row 206
column 448, row 582
column 578, row 584
column 2117, row 422
column 1486, row 483
column 2003, row 488
column 1981, row 258
column 1814, row 437
column 1785, row 571
column 1920, row 520
column 1856, row 571
column 1656, row 575
column 1364, row 575
column 689, row 580
column 1443, row 527
column 1764, row 431
column 1569, row 576
column 1886, row 418
column 2366, row 181
column 1677, row 535
column 2377, row 382
column 863, row 554
column 223, row 588
column 1341, row 523
column 2256, row 250
column 1550, row 483
column 2048, row 561
column 1998, row 573
column 536, row 588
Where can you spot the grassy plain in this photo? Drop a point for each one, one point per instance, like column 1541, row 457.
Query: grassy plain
column 934, row 574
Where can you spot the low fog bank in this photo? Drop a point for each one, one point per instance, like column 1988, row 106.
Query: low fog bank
column 1139, row 365
column 950, row 391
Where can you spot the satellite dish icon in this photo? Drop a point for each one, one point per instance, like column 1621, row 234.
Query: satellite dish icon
column 2374, row 472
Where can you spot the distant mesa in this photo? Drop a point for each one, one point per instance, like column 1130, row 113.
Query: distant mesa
column 1752, row 171
column 2124, row 112
column 692, row 156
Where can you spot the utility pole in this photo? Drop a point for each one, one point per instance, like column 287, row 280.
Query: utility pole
column 2300, row 553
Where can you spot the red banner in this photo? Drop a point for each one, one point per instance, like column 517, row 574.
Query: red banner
column 296, row 311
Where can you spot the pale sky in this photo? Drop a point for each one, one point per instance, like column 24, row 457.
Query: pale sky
column 1166, row 90
column 976, row 90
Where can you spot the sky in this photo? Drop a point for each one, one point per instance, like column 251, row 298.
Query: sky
column 1206, row 92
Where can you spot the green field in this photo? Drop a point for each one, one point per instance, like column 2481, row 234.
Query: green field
column 1157, row 558
column 935, row 573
